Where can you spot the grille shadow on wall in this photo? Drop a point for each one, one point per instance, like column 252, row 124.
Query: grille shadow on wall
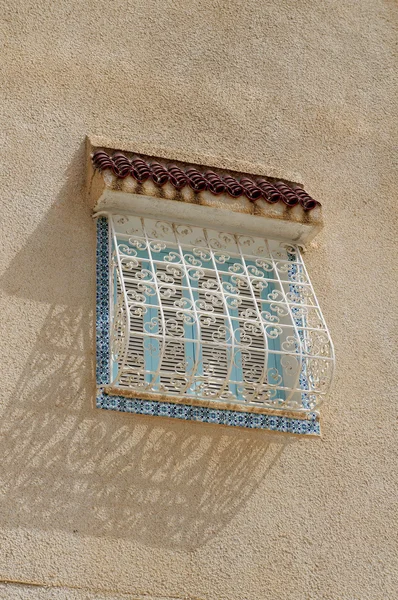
column 72, row 468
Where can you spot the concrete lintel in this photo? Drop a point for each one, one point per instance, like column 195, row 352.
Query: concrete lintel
column 270, row 226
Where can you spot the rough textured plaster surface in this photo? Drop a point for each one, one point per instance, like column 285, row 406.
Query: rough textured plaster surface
column 128, row 505
column 12, row 591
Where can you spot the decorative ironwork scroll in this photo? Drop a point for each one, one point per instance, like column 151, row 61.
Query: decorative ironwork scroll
column 205, row 315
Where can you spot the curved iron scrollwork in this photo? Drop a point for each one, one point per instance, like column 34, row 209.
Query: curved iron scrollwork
column 214, row 316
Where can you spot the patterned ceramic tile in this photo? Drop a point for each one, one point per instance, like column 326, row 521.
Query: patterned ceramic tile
column 208, row 415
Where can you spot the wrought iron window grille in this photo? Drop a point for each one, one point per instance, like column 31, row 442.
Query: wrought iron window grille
column 193, row 319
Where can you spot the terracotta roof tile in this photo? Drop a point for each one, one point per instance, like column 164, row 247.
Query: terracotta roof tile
column 199, row 180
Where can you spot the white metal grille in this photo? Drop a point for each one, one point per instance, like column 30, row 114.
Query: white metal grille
column 208, row 315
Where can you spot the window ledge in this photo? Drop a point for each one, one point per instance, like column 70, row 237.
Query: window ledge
column 307, row 425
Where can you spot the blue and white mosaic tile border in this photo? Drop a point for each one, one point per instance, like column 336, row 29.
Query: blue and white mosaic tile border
column 102, row 306
column 184, row 412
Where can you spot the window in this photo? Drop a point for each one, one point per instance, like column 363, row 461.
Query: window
column 201, row 324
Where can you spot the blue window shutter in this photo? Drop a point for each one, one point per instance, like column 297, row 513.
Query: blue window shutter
column 274, row 360
column 151, row 346
column 152, row 321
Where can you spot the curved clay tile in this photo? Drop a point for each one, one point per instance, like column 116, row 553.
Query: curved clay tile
column 140, row 170
column 234, row 188
column 177, row 177
column 122, row 164
column 270, row 193
column 196, row 180
column 252, row 191
column 215, row 184
column 252, row 188
column 306, row 201
column 289, row 197
column 160, row 174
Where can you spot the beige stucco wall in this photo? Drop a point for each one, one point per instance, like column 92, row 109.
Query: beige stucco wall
column 105, row 505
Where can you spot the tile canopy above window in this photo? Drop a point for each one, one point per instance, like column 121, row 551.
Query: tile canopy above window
column 207, row 324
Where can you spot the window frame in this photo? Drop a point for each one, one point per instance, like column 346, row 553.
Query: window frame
column 274, row 420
